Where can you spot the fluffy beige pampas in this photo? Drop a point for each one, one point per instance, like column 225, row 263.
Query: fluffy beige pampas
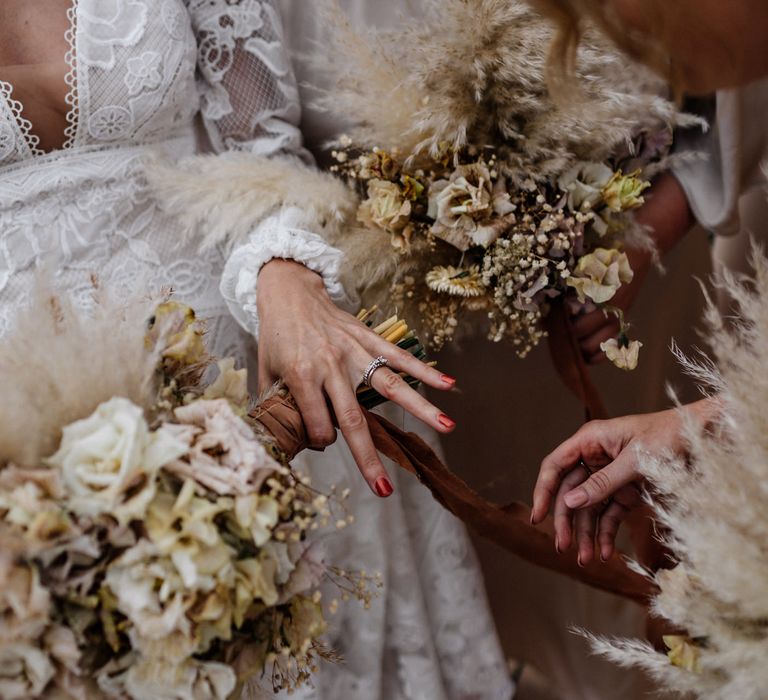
column 59, row 362
column 716, row 509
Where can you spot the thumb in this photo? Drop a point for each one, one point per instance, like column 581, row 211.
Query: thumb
column 604, row 483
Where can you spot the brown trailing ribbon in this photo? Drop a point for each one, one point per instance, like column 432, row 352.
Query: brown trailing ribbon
column 509, row 527
column 569, row 362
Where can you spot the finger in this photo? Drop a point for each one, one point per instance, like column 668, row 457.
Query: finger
column 585, row 525
column 608, row 527
column 605, row 482
column 591, row 346
column 354, row 428
column 314, row 412
column 586, row 325
column 554, row 466
column 563, row 515
column 403, row 361
column 394, row 388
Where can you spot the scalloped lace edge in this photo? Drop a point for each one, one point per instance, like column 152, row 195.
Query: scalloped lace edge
column 72, row 98
column 31, row 140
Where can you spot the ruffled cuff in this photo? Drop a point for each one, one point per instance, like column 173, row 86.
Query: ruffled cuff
column 284, row 236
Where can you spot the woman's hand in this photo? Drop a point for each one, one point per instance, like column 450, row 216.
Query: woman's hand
column 668, row 217
column 591, row 482
column 321, row 352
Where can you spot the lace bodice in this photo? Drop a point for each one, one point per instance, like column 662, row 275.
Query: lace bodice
column 139, row 72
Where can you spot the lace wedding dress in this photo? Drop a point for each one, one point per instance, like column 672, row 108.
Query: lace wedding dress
column 141, row 74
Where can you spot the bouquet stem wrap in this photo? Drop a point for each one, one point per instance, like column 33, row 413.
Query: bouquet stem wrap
column 508, row 526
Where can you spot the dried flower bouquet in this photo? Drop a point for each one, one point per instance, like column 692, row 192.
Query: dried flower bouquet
column 497, row 197
column 153, row 537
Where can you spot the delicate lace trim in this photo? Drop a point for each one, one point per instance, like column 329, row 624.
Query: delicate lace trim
column 25, row 126
column 72, row 98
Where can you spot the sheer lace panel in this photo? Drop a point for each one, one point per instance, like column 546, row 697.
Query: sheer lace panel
column 250, row 99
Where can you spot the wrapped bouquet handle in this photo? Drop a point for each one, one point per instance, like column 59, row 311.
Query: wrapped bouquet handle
column 507, row 526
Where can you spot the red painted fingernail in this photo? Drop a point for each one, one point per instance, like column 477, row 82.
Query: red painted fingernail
column 448, row 380
column 383, row 487
column 446, row 422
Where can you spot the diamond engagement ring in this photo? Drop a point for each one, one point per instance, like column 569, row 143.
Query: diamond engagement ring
column 378, row 363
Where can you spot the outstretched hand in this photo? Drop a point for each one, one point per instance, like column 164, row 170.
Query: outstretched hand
column 592, row 482
column 321, row 352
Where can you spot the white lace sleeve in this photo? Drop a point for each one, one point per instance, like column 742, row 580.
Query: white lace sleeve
column 250, row 104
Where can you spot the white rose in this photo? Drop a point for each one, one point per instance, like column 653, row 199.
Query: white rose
column 599, row 275
column 109, row 461
column 468, row 208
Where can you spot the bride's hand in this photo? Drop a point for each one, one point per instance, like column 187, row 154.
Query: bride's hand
column 591, row 481
column 321, row 352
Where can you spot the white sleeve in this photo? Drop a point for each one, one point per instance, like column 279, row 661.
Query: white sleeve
column 250, row 105
column 280, row 236
column 726, row 161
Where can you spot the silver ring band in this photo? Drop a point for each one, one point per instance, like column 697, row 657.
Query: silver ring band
column 375, row 364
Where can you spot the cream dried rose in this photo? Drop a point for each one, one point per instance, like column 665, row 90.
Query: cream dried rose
column 624, row 354
column 468, row 208
column 599, row 275
column 223, row 453
column 109, row 461
column 386, row 207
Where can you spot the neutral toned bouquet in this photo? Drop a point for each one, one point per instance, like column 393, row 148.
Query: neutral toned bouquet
column 153, row 538
column 495, row 197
